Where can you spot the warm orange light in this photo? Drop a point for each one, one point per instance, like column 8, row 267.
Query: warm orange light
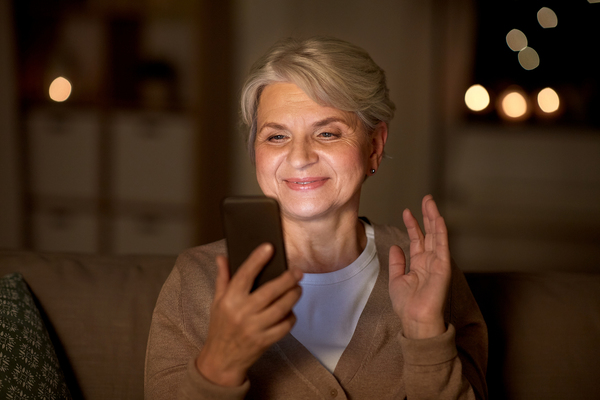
column 60, row 89
column 477, row 98
column 548, row 100
column 513, row 105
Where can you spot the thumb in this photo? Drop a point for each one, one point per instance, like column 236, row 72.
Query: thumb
column 397, row 262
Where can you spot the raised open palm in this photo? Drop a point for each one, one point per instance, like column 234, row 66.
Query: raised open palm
column 419, row 296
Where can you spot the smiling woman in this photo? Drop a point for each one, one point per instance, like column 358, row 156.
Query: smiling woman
column 312, row 158
column 348, row 318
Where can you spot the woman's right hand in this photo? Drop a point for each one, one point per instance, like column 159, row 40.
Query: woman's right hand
column 244, row 325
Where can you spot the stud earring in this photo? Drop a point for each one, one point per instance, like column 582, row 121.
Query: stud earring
column 372, row 170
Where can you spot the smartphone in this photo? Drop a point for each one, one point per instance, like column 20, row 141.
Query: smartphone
column 249, row 221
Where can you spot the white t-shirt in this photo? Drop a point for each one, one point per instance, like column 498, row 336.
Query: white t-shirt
column 331, row 304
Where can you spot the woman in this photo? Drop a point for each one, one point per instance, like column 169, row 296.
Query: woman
column 318, row 112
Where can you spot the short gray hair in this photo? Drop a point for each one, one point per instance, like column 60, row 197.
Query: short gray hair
column 332, row 72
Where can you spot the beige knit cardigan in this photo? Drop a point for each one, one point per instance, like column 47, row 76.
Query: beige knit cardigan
column 379, row 362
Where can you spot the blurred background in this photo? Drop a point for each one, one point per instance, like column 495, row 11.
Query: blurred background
column 119, row 126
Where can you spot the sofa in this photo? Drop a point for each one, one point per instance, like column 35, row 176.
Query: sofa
column 544, row 328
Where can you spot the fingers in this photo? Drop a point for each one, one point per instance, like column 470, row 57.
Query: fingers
column 278, row 331
column 425, row 210
column 272, row 290
column 414, row 232
column 397, row 262
column 441, row 239
column 244, row 277
column 222, row 276
column 437, row 236
column 271, row 302
column 243, row 324
column 280, row 309
column 430, row 213
column 434, row 226
column 433, row 216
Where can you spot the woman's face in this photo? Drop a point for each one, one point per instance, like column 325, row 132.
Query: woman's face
column 312, row 159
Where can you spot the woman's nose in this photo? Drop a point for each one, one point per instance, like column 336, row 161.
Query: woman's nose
column 301, row 154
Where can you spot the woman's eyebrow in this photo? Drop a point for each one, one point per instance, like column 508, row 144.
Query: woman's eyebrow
column 273, row 125
column 327, row 121
column 317, row 124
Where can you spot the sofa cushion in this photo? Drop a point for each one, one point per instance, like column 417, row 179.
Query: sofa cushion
column 29, row 367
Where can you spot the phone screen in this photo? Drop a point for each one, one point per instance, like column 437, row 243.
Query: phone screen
column 249, row 221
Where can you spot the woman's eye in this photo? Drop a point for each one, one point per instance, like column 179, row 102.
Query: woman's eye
column 327, row 135
column 276, row 137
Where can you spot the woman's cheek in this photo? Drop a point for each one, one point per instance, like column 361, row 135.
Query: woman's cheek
column 266, row 170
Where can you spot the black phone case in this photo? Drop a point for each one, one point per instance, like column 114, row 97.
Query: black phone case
column 249, row 221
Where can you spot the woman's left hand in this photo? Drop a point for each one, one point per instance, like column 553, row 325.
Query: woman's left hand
column 419, row 296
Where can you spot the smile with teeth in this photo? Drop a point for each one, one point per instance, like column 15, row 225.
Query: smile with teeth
column 305, row 183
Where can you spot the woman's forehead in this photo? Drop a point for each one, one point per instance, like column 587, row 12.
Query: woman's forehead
column 286, row 101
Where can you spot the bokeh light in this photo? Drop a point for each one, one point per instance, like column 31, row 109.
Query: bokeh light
column 547, row 18
column 60, row 89
column 548, row 100
column 513, row 104
column 529, row 58
column 477, row 98
column 516, row 40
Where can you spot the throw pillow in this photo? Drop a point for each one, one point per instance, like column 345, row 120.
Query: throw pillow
column 29, row 368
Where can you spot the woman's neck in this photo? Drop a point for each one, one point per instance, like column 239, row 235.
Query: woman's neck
column 324, row 245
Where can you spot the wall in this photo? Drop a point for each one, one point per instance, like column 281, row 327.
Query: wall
column 521, row 198
column 10, row 201
column 515, row 198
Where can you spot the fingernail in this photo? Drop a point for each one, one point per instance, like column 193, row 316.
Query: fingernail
column 267, row 247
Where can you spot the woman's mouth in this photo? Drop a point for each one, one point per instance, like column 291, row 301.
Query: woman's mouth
column 305, row 183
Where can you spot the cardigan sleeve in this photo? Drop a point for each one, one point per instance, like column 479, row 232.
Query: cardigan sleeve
column 451, row 365
column 170, row 371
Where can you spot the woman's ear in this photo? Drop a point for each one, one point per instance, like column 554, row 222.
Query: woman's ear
column 378, row 140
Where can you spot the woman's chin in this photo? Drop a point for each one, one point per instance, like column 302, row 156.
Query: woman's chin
column 304, row 212
column 308, row 211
